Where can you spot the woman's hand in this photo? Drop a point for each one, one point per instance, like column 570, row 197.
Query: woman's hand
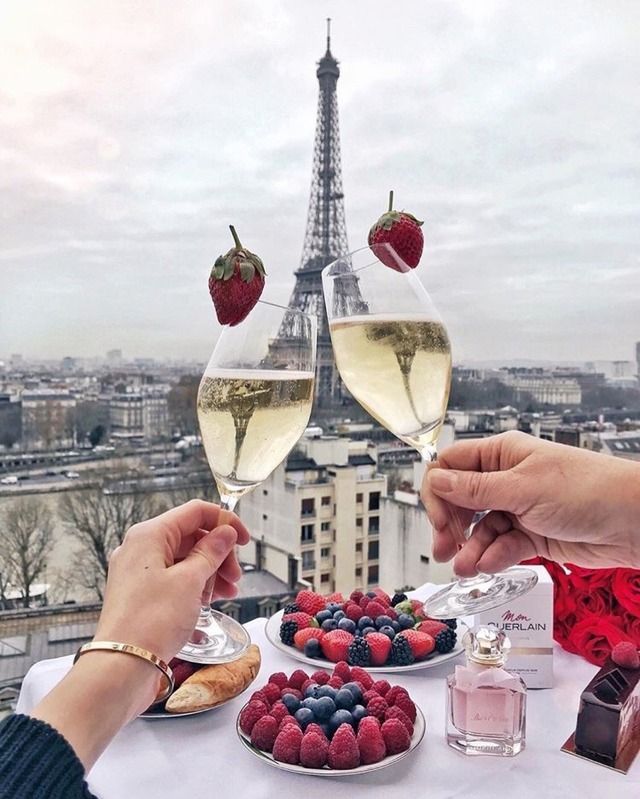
column 547, row 499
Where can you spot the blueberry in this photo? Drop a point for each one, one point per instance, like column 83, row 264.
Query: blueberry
column 372, row 595
column 339, row 717
column 354, row 690
column 312, row 648
column 326, row 690
column 344, row 699
column 396, row 626
column 326, row 728
column 311, row 703
column 365, row 621
column 348, row 625
column 333, row 606
column 388, row 631
column 323, row 615
column 368, row 630
column 310, row 690
column 329, row 624
column 304, row 716
column 405, row 621
column 383, row 621
column 339, row 614
column 291, row 702
column 358, row 713
column 325, row 708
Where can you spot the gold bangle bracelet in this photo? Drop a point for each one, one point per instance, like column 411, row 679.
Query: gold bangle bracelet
column 136, row 651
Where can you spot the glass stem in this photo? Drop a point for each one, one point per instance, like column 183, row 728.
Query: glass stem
column 227, row 503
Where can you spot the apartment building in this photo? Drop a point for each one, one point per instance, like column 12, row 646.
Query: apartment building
column 140, row 415
column 47, row 419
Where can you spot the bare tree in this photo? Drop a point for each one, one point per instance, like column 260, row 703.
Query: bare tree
column 26, row 530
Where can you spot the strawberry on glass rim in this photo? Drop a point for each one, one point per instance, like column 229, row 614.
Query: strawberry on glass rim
column 401, row 231
column 236, row 283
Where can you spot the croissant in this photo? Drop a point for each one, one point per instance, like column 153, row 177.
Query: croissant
column 212, row 685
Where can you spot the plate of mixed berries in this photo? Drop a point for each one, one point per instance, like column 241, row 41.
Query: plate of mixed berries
column 372, row 630
column 330, row 724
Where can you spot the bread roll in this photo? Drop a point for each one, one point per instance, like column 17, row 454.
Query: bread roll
column 211, row 685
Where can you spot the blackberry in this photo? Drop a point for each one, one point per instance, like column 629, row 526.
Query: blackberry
column 452, row 623
column 401, row 654
column 287, row 630
column 398, row 598
column 292, row 608
column 359, row 653
column 445, row 641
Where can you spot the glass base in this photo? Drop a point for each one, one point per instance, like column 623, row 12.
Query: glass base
column 476, row 594
column 485, row 745
column 218, row 639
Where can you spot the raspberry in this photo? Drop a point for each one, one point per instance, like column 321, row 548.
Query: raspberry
column 288, row 720
column 375, row 609
column 278, row 711
column 335, row 682
column 271, row 691
column 625, row 655
column 371, row 743
column 394, row 692
column 377, row 707
column 379, row 646
column 392, row 614
column 250, row 714
column 286, row 747
column 336, row 597
column 359, row 653
column 321, row 677
column 302, row 636
column 369, row 695
column 261, row 697
column 406, row 705
column 313, row 727
column 335, row 645
column 364, row 602
column 295, row 691
column 369, row 720
column 303, row 620
column 310, row 602
column 343, row 671
column 361, row 676
column 386, row 599
column 353, row 612
column 395, row 736
column 264, row 733
column 181, row 671
column 280, row 679
column 306, row 684
column 397, row 713
column 445, row 641
column 422, row 644
column 287, row 631
column 297, row 678
column 314, row 750
column 401, row 653
column 356, row 596
column 380, row 687
column 343, row 749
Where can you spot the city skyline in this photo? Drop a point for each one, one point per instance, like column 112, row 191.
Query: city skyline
column 516, row 140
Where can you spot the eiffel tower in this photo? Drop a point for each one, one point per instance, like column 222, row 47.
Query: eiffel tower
column 326, row 234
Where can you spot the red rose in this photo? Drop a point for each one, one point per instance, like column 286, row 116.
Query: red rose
column 564, row 597
column 591, row 579
column 595, row 636
column 598, row 602
column 631, row 625
column 626, row 589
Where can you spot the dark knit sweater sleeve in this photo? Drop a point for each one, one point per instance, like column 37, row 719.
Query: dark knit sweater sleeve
column 36, row 762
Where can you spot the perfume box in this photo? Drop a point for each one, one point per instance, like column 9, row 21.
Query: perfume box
column 528, row 621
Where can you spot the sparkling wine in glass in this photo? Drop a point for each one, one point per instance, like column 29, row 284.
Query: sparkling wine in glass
column 393, row 354
column 254, row 403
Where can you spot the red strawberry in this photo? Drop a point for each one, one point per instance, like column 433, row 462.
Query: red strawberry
column 303, row 620
column 381, row 687
column 396, row 736
column 356, row 596
column 235, row 283
column 386, row 599
column 422, row 644
column 336, row 597
column 353, row 611
column 394, row 692
column 335, row 682
column 286, row 747
column 625, row 654
column 280, row 679
column 377, row 707
column 278, row 711
column 250, row 713
column 371, row 743
column 343, row 749
column 417, row 609
column 342, row 670
column 321, row 677
column 375, row 609
column 401, row 232
column 264, row 733
column 288, row 720
column 405, row 704
column 335, row 645
column 380, row 646
column 271, row 691
column 396, row 712
column 302, row 636
column 314, row 750
column 310, row 602
column 359, row 674
column 181, row 671
column 431, row 626
column 313, row 727
column 295, row 691
column 297, row 678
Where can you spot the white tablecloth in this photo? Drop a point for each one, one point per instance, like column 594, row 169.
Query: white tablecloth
column 200, row 756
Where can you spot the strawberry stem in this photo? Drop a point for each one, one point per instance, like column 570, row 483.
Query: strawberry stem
column 235, row 237
column 390, row 201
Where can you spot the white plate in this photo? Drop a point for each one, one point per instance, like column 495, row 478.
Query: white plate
column 272, row 631
column 419, row 729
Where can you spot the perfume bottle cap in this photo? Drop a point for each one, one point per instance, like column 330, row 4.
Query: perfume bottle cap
column 487, row 646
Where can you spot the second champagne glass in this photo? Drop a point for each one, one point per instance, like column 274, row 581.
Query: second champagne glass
column 254, row 403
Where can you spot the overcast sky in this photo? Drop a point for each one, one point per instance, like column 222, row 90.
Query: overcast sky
column 131, row 134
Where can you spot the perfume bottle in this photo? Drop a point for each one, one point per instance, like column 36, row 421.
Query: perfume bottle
column 486, row 705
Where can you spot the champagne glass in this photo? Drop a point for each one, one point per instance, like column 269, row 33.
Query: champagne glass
column 393, row 354
column 254, row 403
